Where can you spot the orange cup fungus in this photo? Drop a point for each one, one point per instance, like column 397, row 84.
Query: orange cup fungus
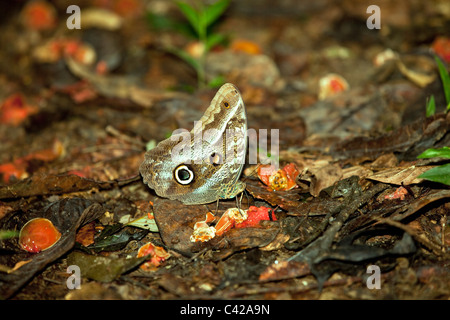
column 37, row 235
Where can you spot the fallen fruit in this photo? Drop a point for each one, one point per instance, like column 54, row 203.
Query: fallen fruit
column 255, row 215
column 157, row 255
column 441, row 46
column 14, row 110
column 281, row 179
column 250, row 47
column 232, row 218
column 399, row 193
column 37, row 235
column 330, row 85
column 229, row 219
column 202, row 231
column 39, row 15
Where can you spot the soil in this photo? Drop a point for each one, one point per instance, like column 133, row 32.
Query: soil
column 80, row 107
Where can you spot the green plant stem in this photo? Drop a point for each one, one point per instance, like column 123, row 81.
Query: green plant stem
column 203, row 37
column 202, row 64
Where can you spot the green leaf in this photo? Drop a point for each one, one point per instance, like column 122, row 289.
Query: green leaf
column 443, row 152
column 191, row 14
column 213, row 40
column 214, row 11
column 143, row 222
column 439, row 174
column 445, row 77
column 431, row 106
column 216, row 82
column 161, row 22
column 114, row 238
column 186, row 57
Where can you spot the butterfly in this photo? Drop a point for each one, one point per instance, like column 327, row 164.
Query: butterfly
column 203, row 165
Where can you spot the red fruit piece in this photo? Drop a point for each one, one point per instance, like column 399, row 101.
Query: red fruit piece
column 202, row 231
column 441, row 45
column 279, row 180
column 39, row 15
column 229, row 219
column 157, row 255
column 14, row 110
column 255, row 215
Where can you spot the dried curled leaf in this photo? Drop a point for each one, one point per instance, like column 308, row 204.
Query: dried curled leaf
column 408, row 175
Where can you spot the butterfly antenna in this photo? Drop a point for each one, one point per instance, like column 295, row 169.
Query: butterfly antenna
column 244, row 191
column 248, row 198
column 252, row 173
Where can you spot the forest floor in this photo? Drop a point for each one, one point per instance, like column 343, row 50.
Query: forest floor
column 79, row 107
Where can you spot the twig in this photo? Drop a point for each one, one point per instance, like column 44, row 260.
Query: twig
column 323, row 243
column 430, row 244
column 116, row 133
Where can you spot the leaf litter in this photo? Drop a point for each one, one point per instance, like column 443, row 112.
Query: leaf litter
column 348, row 194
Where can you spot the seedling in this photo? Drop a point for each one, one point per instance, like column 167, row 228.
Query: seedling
column 445, row 78
column 201, row 19
column 439, row 174
column 431, row 107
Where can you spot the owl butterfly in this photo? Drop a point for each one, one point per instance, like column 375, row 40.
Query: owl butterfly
column 203, row 165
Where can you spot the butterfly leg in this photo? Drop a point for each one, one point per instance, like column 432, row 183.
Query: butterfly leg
column 238, row 202
column 217, row 207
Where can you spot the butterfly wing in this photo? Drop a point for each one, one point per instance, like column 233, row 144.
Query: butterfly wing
column 203, row 165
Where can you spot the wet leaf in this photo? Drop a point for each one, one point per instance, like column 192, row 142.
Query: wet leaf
column 144, row 222
column 100, row 268
column 117, row 240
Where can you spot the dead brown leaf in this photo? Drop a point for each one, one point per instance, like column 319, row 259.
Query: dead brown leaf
column 400, row 175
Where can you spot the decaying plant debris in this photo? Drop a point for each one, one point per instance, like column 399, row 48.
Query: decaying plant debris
column 73, row 133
